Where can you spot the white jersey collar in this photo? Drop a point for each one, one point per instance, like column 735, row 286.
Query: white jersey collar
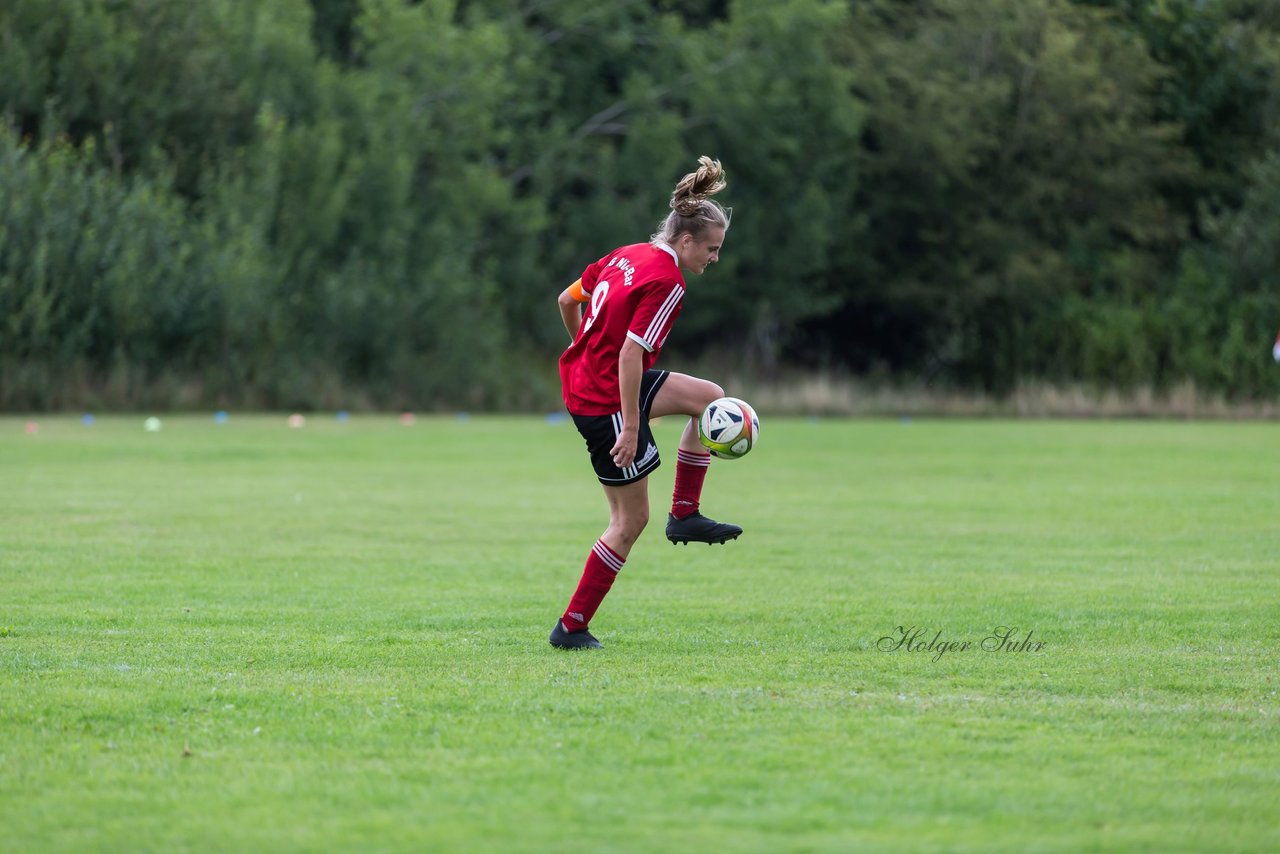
column 664, row 247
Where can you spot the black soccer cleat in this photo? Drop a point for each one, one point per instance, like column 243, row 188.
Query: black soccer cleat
column 562, row 638
column 699, row 529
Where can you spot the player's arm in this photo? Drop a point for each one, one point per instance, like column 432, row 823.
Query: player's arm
column 630, row 370
column 570, row 301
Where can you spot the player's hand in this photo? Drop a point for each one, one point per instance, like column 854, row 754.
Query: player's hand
column 624, row 450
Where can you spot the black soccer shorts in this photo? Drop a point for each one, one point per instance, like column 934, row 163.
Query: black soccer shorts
column 601, row 433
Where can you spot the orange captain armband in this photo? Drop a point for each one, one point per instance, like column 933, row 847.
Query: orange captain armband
column 575, row 291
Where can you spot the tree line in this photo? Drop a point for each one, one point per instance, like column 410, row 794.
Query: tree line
column 319, row 203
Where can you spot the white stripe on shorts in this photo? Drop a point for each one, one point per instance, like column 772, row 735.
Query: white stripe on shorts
column 633, row 469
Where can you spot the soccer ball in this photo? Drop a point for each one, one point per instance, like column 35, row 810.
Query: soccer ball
column 729, row 428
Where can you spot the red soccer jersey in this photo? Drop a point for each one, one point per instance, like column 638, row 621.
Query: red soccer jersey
column 636, row 293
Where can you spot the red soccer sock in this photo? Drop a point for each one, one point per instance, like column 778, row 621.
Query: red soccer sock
column 691, row 470
column 603, row 566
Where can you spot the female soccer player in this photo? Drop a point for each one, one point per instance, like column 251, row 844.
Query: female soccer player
column 633, row 297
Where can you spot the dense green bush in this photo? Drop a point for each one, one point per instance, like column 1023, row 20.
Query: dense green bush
column 374, row 202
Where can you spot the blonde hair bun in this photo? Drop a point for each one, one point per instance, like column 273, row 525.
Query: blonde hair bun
column 696, row 187
column 693, row 211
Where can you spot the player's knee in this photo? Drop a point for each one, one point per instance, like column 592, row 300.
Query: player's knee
column 639, row 519
column 635, row 524
column 712, row 392
column 627, row 525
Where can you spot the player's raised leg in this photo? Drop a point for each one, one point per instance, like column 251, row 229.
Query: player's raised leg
column 628, row 515
column 682, row 394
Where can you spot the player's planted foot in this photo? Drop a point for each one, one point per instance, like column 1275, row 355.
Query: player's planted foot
column 562, row 638
column 697, row 528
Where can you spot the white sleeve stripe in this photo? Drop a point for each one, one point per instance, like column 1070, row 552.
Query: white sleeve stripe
column 664, row 313
column 660, row 319
column 636, row 338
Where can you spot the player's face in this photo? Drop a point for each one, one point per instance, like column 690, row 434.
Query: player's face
column 697, row 255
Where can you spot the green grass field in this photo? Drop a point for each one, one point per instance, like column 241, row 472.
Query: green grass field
column 245, row 637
